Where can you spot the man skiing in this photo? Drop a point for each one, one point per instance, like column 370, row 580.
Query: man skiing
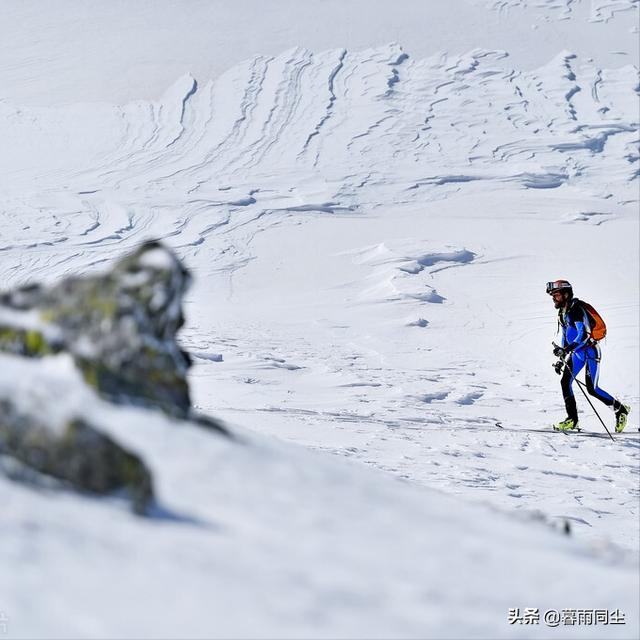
column 579, row 348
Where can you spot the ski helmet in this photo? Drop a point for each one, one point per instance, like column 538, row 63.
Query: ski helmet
column 559, row 285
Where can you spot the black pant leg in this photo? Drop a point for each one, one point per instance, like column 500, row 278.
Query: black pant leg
column 567, row 393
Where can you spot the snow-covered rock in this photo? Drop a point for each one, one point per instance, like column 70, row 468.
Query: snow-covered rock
column 119, row 326
column 369, row 227
column 113, row 333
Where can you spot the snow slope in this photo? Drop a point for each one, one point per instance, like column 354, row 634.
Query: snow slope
column 259, row 539
column 119, row 51
column 370, row 227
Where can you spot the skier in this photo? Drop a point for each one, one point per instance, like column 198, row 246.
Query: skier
column 578, row 348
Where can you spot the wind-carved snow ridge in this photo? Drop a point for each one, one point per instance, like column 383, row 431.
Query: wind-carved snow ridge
column 604, row 10
column 185, row 99
column 395, row 74
column 396, row 264
column 600, row 10
column 331, row 132
column 332, row 98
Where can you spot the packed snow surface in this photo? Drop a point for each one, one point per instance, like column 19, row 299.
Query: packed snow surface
column 370, row 227
column 259, row 538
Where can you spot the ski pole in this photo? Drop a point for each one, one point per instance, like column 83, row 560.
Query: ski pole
column 564, row 362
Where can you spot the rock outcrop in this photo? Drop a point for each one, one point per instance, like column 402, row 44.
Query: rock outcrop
column 113, row 335
column 77, row 454
column 120, row 328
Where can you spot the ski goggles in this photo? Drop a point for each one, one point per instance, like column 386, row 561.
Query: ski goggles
column 557, row 285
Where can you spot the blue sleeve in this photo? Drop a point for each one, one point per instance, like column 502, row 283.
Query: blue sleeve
column 581, row 338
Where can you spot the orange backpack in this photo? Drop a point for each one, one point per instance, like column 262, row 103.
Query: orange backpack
column 596, row 323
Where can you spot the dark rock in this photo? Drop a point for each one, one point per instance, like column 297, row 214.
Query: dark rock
column 76, row 453
column 120, row 327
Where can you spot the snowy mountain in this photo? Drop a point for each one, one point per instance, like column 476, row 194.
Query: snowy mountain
column 369, row 227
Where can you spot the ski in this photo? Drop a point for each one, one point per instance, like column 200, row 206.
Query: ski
column 574, row 430
column 592, row 434
column 629, row 433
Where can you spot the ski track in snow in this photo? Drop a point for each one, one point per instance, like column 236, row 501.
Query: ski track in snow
column 350, row 138
column 445, row 438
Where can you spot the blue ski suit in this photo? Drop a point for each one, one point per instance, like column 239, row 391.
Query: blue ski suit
column 576, row 338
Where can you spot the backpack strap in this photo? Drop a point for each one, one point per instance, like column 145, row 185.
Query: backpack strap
column 586, row 318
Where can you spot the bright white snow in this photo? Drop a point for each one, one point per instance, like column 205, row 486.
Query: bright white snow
column 258, row 538
column 370, row 227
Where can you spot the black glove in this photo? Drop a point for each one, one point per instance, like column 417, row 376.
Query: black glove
column 559, row 352
column 558, row 367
